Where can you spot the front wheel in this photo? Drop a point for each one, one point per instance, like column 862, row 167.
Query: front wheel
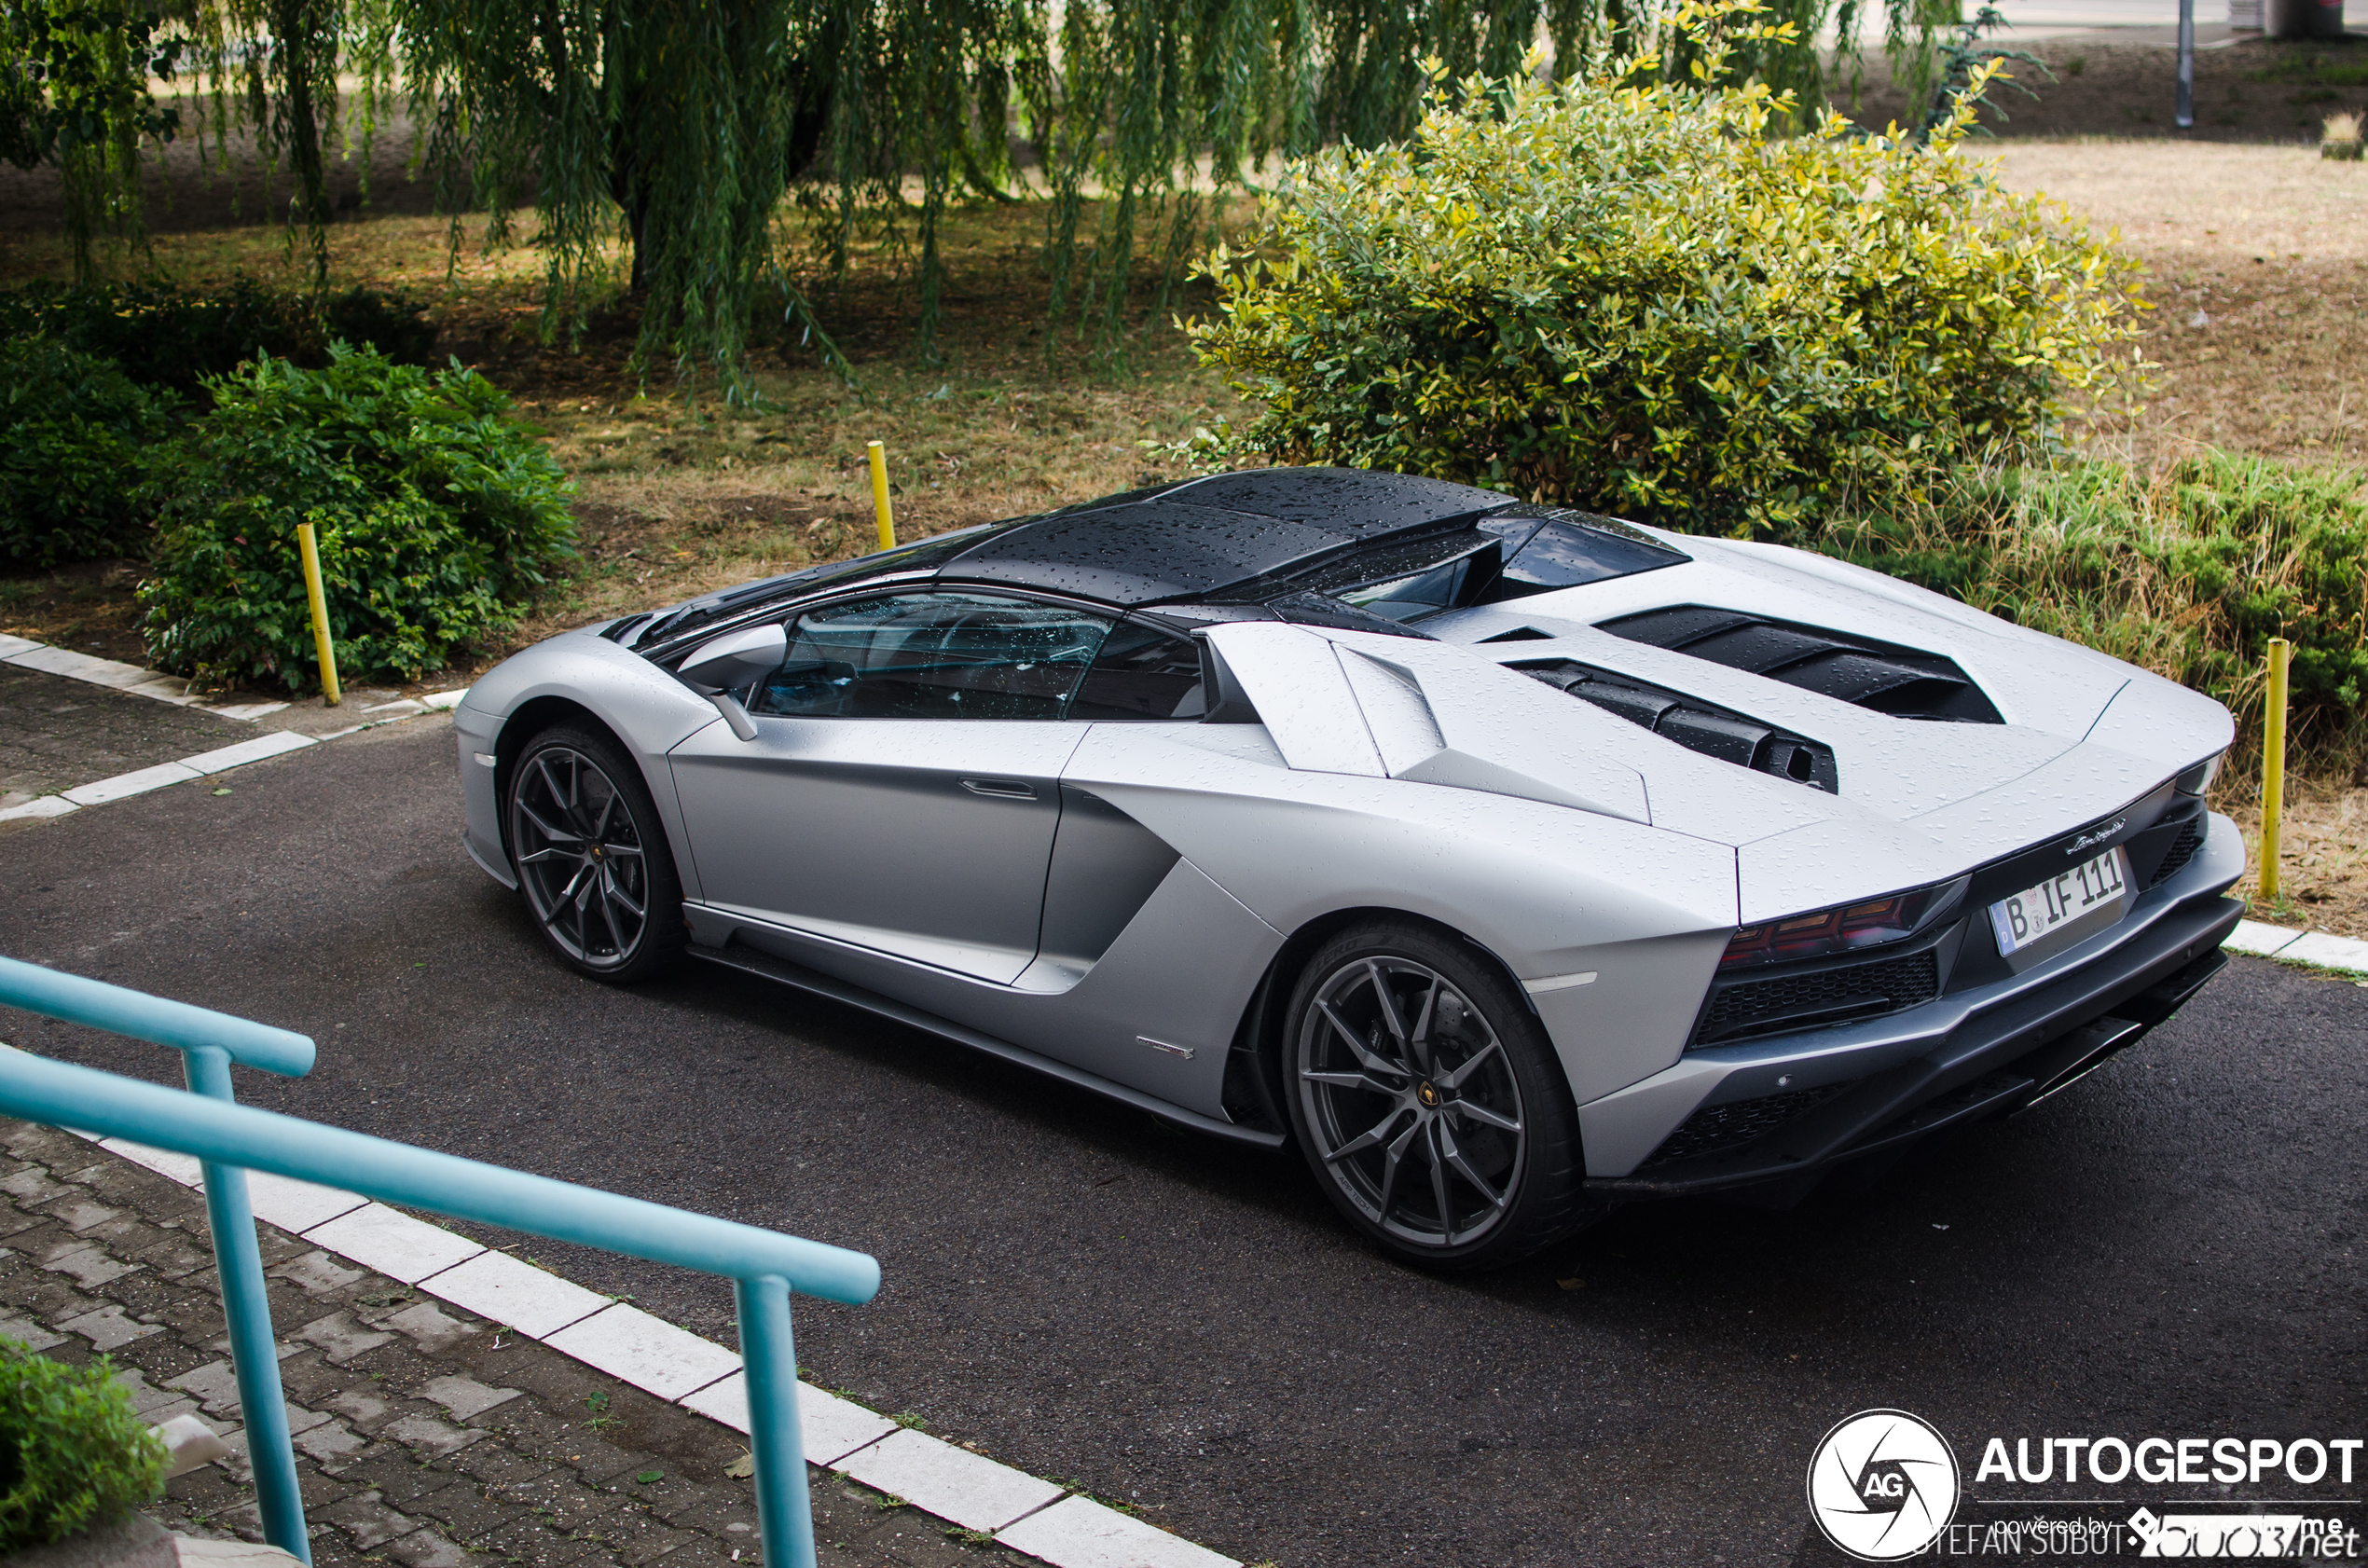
column 1429, row 1100
column 592, row 858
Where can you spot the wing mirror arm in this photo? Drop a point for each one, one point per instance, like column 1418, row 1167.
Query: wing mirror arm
column 722, row 665
column 734, row 714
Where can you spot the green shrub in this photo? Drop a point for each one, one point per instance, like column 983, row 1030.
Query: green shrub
column 73, row 1453
column 438, row 518
column 2188, row 570
column 77, row 442
column 169, row 336
column 1639, row 299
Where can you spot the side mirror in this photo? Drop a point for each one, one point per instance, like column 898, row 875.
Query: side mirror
column 735, row 658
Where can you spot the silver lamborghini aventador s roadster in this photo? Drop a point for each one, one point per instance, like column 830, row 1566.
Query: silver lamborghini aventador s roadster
column 1510, row 861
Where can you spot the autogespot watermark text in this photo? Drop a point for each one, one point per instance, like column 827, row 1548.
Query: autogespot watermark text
column 2171, row 1461
column 1884, row 1486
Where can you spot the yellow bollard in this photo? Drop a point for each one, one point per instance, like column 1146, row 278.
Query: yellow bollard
column 2273, row 766
column 311, row 553
column 880, row 507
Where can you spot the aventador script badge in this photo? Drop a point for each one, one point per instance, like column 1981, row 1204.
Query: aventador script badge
column 1883, row 1485
column 2099, row 836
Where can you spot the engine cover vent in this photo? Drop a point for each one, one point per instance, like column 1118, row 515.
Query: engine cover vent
column 1695, row 724
column 1877, row 676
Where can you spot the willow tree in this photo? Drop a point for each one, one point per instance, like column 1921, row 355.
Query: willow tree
column 678, row 127
column 75, row 94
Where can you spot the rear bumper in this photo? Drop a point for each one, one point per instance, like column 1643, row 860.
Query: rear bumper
column 1780, row 1115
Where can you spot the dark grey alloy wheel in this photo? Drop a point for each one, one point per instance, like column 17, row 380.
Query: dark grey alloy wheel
column 591, row 856
column 1429, row 1102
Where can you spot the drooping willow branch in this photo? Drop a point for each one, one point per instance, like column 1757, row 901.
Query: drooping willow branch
column 675, row 127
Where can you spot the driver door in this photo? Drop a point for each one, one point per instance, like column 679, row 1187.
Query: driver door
column 903, row 786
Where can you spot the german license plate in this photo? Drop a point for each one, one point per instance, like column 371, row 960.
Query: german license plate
column 2088, row 889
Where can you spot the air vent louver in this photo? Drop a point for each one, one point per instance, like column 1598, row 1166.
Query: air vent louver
column 1714, row 732
column 1827, row 994
column 1899, row 682
column 1716, row 1129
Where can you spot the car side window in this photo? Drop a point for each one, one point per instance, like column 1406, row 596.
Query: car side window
column 933, row 655
column 1144, row 673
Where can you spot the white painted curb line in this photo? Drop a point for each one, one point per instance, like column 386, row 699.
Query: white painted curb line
column 29, row 654
column 1022, row 1511
column 220, row 759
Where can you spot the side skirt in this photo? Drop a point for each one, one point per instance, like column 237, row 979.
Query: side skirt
column 781, row 971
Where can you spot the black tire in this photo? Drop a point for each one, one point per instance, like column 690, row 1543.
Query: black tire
column 591, row 856
column 1439, row 1125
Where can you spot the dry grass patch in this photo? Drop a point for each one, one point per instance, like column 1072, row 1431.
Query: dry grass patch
column 2259, row 264
column 2323, row 862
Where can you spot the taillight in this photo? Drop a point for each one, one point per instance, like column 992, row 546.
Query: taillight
column 1843, row 929
column 2198, row 779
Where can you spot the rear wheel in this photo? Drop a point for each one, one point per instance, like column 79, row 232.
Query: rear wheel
column 591, row 856
column 1428, row 1101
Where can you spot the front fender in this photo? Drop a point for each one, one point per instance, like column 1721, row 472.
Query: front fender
column 576, row 674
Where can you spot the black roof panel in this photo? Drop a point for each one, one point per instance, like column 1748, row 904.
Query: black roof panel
column 1194, row 540
column 1206, row 535
column 1139, row 553
column 1360, row 503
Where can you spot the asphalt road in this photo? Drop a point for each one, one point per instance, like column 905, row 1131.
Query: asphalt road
column 2172, row 1248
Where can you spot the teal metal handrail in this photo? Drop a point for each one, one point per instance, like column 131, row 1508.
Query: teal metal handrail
column 763, row 1266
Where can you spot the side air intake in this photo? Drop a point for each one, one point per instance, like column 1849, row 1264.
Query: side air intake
column 1693, row 724
column 1899, row 682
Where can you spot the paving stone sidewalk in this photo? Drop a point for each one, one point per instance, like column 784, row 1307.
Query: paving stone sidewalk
column 56, row 734
column 425, row 1436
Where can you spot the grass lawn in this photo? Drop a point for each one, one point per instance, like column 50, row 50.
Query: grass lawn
column 2258, row 255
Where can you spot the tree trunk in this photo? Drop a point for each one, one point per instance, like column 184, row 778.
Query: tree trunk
column 298, row 29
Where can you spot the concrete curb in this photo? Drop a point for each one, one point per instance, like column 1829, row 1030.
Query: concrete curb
column 2320, row 949
column 1026, row 1513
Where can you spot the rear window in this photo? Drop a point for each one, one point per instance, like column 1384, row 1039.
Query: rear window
column 1143, row 672
column 1571, row 554
column 1508, row 554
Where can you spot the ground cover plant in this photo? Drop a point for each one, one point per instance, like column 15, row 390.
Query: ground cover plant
column 438, row 520
column 73, row 1452
column 1637, row 297
column 77, row 444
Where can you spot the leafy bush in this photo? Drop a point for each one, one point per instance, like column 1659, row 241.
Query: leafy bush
column 170, row 337
column 76, row 439
column 438, row 517
column 1639, row 299
column 73, row 1453
column 2188, row 570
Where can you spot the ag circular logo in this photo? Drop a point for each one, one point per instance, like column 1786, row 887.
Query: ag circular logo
column 1883, row 1485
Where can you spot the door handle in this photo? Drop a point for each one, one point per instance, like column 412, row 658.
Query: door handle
column 1000, row 789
